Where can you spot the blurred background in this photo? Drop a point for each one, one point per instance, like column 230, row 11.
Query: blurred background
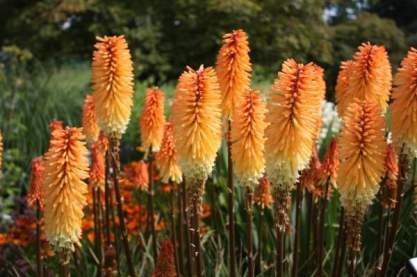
column 165, row 36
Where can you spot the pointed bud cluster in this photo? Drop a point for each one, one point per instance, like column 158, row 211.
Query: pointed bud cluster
column 97, row 172
column 166, row 158
column 63, row 187
column 34, row 195
column 389, row 187
column 165, row 264
column 263, row 194
column 55, row 125
column 89, row 120
column 404, row 104
column 330, row 164
column 152, row 120
column 367, row 77
column 293, row 116
column 135, row 174
column 247, row 136
column 196, row 119
column 310, row 176
column 362, row 155
column 233, row 69
column 112, row 78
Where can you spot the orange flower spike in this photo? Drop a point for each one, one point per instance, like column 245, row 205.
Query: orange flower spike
column 342, row 86
column 233, row 69
column 166, row 158
column 330, row 164
column 370, row 77
column 196, row 120
column 97, row 167
column 263, row 195
column 112, row 78
column 63, row 188
column 404, row 104
column 89, row 120
column 293, row 113
column 362, row 149
column 152, row 120
column 34, row 194
column 165, row 263
column 247, row 135
column 389, row 188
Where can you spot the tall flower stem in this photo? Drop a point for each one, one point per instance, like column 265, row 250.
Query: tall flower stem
column 402, row 178
column 187, row 230
column 381, row 224
column 260, row 238
column 351, row 263
column 39, row 266
column 114, row 148
column 296, row 252
column 321, row 235
column 230, row 205
column 109, row 261
column 307, row 255
column 181, row 233
column 173, row 229
column 249, row 213
column 354, row 222
column 151, row 212
column 97, row 229
column 340, row 239
column 64, row 258
column 342, row 254
column 116, row 236
column 282, row 206
column 279, row 249
column 99, row 233
column 196, row 194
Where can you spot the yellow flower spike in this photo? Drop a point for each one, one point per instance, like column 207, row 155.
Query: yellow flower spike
column 34, row 194
column 247, row 135
column 63, row 188
column 89, row 120
column 362, row 150
column 369, row 78
column 342, row 86
column 196, row 120
column 404, row 104
column 152, row 120
column 233, row 69
column 166, row 158
column 293, row 116
column 112, row 78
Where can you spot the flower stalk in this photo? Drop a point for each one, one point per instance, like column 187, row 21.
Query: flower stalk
column 115, row 164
